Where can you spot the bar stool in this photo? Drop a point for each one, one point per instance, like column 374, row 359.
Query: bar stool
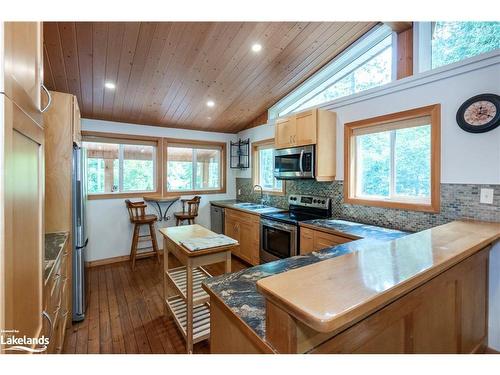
column 136, row 211
column 191, row 213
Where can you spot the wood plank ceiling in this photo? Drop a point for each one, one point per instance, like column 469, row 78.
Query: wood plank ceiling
column 165, row 72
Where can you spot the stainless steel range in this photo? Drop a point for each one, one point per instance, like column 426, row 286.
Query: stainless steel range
column 279, row 231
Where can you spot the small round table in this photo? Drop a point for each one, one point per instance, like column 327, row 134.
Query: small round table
column 158, row 200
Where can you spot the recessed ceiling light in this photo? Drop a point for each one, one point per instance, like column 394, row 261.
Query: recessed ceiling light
column 109, row 85
column 210, row 103
column 209, row 118
column 256, row 47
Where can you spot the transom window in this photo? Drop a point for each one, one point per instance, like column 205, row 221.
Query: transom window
column 393, row 160
column 197, row 167
column 263, row 167
column 455, row 41
column 364, row 65
column 119, row 165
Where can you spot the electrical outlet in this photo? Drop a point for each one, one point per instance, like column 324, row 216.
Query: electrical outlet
column 239, row 191
column 486, row 196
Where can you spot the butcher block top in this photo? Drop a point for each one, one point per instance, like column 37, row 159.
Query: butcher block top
column 329, row 295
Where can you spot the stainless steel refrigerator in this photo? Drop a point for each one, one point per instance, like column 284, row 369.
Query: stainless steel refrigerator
column 80, row 239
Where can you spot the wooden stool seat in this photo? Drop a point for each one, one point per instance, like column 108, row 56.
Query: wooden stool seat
column 191, row 213
column 138, row 217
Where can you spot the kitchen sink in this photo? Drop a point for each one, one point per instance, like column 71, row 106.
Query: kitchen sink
column 251, row 206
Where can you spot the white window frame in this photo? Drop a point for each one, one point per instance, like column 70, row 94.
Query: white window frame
column 256, row 148
column 338, row 67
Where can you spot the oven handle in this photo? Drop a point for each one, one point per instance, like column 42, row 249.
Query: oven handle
column 278, row 225
column 300, row 162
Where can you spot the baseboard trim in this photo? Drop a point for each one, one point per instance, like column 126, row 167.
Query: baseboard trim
column 491, row 351
column 118, row 259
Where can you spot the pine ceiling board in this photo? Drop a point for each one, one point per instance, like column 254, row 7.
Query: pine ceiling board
column 99, row 50
column 115, row 40
column 55, row 56
column 130, row 39
column 142, row 51
column 249, row 71
column 204, row 71
column 184, row 81
column 233, row 73
column 160, row 38
column 67, row 34
column 163, row 76
column 84, row 42
column 165, row 72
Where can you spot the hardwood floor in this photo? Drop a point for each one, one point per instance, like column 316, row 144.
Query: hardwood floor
column 125, row 312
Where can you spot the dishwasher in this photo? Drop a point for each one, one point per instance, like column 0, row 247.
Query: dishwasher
column 217, row 219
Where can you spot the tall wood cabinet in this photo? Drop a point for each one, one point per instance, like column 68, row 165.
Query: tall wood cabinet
column 22, row 160
column 313, row 127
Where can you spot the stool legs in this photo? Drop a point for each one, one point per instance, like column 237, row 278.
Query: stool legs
column 135, row 241
column 152, row 231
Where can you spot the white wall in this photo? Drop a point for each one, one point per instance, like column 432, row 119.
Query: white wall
column 109, row 229
column 465, row 157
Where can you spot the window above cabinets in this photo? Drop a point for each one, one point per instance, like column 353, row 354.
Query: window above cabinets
column 121, row 166
column 394, row 160
column 263, row 167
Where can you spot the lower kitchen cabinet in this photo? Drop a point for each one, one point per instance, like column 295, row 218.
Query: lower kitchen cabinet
column 245, row 228
column 56, row 304
column 314, row 240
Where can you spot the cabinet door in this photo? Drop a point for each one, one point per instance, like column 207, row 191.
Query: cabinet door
column 77, row 131
column 23, row 221
column 306, row 241
column 231, row 229
column 23, row 66
column 250, row 242
column 285, row 132
column 305, row 128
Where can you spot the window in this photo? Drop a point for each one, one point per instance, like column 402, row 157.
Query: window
column 263, row 167
column 455, row 41
column 118, row 165
column 364, row 65
column 195, row 167
column 393, row 160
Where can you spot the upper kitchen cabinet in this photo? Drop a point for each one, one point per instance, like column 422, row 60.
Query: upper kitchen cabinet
column 23, row 66
column 314, row 127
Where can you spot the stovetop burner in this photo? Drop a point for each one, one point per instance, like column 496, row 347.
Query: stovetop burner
column 302, row 208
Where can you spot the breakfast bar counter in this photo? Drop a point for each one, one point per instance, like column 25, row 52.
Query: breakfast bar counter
column 423, row 292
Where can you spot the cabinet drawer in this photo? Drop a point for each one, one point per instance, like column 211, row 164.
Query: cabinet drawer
column 323, row 240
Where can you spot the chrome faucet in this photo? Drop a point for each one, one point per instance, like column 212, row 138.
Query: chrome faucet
column 255, row 187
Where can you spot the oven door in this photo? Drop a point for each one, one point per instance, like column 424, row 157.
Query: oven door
column 293, row 163
column 277, row 240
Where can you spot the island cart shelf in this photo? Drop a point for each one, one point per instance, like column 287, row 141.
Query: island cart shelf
column 184, row 298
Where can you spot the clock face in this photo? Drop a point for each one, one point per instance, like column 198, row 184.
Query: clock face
column 480, row 113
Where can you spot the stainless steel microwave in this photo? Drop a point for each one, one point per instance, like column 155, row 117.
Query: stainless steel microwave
column 294, row 163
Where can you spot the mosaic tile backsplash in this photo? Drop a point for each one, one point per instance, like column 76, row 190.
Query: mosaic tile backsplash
column 458, row 201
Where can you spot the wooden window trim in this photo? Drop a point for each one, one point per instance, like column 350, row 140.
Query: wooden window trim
column 256, row 167
column 434, row 111
column 195, row 143
column 87, row 137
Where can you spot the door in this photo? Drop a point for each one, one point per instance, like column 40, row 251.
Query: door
column 24, row 231
column 285, row 132
column 305, row 128
column 23, row 66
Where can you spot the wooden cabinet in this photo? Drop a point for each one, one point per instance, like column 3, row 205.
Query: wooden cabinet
column 57, row 301
column 314, row 127
column 23, row 66
column 245, row 228
column 23, row 219
column 76, row 122
column 314, row 240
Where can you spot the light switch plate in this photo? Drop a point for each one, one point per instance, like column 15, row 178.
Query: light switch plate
column 486, row 196
column 239, row 191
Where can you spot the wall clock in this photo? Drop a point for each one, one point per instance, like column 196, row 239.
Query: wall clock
column 479, row 114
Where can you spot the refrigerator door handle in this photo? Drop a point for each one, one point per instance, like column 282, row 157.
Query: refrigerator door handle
column 84, row 245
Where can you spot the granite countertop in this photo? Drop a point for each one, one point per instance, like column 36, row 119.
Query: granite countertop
column 352, row 229
column 234, row 204
column 239, row 291
column 54, row 243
